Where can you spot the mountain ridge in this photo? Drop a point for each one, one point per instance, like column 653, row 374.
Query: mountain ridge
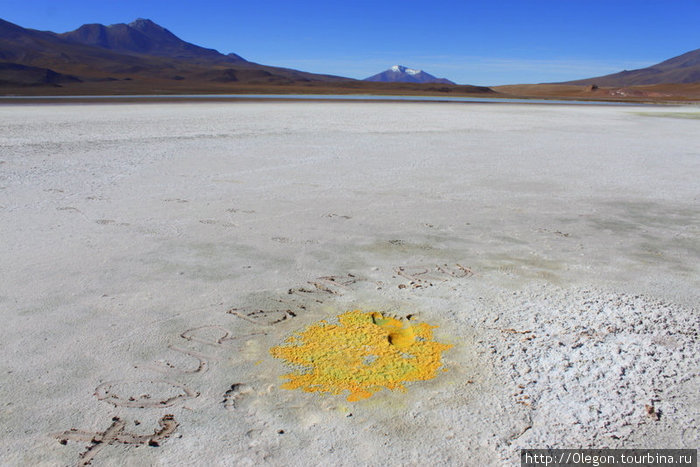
column 143, row 36
column 89, row 54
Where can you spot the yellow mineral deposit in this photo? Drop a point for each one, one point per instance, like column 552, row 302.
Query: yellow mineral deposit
column 363, row 353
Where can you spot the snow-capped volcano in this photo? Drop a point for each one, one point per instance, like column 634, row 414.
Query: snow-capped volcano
column 402, row 74
column 403, row 69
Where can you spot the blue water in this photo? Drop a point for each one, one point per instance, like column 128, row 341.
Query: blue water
column 334, row 97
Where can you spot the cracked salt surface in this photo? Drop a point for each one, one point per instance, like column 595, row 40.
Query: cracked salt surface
column 588, row 364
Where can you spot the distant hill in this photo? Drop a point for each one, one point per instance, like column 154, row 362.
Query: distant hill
column 401, row 74
column 681, row 69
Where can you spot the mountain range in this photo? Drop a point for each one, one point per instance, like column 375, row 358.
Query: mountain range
column 401, row 74
column 144, row 58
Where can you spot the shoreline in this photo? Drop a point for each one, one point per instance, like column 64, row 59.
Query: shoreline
column 335, row 98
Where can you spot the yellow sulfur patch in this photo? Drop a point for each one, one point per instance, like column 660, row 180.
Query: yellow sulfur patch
column 364, row 353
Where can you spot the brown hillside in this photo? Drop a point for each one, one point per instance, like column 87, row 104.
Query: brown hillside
column 681, row 69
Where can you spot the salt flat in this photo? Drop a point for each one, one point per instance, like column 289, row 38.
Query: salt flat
column 152, row 254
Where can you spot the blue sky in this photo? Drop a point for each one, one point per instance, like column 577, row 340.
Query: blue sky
column 470, row 42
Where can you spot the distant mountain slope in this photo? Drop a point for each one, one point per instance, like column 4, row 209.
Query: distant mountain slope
column 681, row 69
column 401, row 74
column 143, row 36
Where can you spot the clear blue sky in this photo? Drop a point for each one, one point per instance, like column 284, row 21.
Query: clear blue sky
column 470, row 42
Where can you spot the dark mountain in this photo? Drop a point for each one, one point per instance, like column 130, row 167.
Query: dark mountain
column 140, row 51
column 47, row 50
column 681, row 69
column 401, row 74
column 144, row 37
